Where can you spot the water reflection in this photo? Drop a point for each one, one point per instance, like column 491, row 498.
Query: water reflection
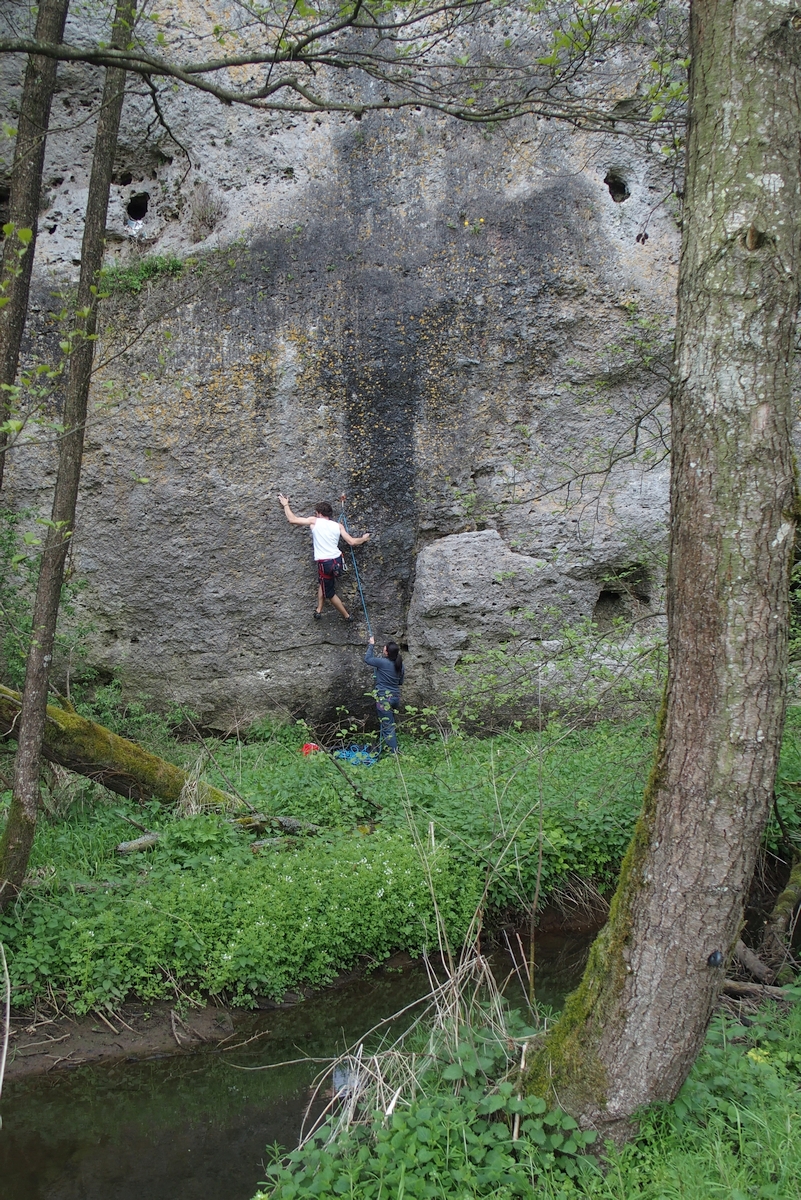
column 194, row 1127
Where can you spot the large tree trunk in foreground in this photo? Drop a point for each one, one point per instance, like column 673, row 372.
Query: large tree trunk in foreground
column 632, row 1030
column 17, row 840
column 26, row 190
column 94, row 751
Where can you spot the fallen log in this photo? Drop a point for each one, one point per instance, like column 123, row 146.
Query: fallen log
column 289, row 825
column 140, row 843
column 105, row 757
column 753, row 964
column 775, row 939
column 258, row 823
column 270, row 844
column 753, row 991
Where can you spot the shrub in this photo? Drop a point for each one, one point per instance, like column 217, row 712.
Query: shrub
column 133, row 278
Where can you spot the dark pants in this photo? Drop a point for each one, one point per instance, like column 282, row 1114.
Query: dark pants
column 328, row 571
column 386, row 706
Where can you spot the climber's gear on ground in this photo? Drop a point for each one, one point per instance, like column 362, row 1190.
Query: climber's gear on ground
column 360, row 756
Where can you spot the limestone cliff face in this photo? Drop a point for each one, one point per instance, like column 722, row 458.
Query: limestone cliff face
column 444, row 323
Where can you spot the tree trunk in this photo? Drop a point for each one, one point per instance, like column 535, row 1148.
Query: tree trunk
column 632, row 1030
column 17, row 840
column 26, row 189
column 92, row 750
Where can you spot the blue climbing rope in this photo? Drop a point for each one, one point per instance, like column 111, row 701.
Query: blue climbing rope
column 344, row 521
column 360, row 756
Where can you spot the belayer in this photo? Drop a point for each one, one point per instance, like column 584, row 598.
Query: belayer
column 389, row 674
column 326, row 533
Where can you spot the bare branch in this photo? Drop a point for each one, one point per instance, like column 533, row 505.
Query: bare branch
column 452, row 56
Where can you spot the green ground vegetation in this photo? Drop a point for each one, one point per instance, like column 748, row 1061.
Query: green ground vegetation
column 732, row 1134
column 455, row 823
column 201, row 912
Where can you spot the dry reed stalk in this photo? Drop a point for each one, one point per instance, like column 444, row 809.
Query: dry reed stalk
column 467, row 998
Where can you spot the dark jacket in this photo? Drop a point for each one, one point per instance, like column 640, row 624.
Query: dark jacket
column 386, row 677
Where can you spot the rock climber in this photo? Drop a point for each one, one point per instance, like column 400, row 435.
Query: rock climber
column 326, row 533
column 389, row 675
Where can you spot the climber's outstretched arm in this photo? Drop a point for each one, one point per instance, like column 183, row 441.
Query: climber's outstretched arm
column 290, row 516
column 352, row 541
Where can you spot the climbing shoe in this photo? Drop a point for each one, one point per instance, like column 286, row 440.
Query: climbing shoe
column 317, row 616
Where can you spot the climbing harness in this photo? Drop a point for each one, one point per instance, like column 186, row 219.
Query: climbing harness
column 344, row 521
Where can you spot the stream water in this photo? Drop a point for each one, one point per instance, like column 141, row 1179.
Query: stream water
column 196, row 1126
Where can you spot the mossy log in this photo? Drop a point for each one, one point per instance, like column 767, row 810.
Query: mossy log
column 290, row 825
column 141, row 843
column 258, row 823
column 777, row 927
column 105, row 757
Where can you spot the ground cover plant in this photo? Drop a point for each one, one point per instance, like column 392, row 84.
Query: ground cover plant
column 202, row 913
column 731, row 1134
column 455, row 823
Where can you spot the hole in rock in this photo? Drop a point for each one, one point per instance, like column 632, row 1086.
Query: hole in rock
column 609, row 606
column 137, row 206
column 123, row 178
column 624, row 594
column 618, row 188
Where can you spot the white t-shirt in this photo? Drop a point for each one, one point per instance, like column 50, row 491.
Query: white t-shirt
column 325, row 535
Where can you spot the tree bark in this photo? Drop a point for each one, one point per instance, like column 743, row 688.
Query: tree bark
column 94, row 751
column 632, row 1030
column 26, row 190
column 17, row 840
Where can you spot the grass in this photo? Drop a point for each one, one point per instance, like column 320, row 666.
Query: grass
column 732, row 1134
column 202, row 913
column 482, row 795
column 133, row 278
column 458, row 819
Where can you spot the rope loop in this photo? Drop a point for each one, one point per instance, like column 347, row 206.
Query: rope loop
column 360, row 756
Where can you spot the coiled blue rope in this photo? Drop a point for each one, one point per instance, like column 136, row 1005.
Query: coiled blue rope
column 360, row 756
